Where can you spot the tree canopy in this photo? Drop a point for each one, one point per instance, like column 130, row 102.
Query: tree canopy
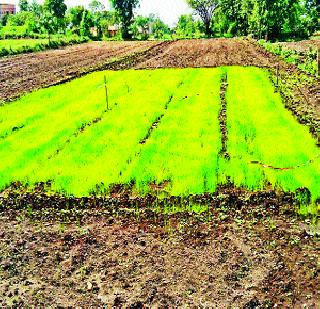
column 205, row 9
column 124, row 9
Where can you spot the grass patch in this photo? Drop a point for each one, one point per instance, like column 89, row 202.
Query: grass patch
column 19, row 46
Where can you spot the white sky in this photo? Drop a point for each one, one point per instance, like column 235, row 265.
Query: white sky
column 168, row 10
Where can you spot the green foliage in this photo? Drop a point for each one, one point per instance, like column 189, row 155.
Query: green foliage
column 75, row 17
column 160, row 30
column 86, row 23
column 187, row 27
column 26, row 19
column 205, row 9
column 107, row 19
column 55, row 10
column 23, row 5
column 36, row 8
column 140, row 27
column 306, row 62
column 124, row 9
column 270, row 19
column 13, row 32
column 14, row 47
column 96, row 7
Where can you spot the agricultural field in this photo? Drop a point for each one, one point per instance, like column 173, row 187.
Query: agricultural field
column 181, row 173
column 47, row 68
column 163, row 129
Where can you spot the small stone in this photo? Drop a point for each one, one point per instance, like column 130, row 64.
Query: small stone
column 89, row 285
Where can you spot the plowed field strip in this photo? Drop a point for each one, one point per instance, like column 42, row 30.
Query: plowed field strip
column 22, row 74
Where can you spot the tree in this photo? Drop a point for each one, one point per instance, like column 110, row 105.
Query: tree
column 205, row 9
column 96, row 6
column 86, row 23
column 23, row 18
column 108, row 18
column 159, row 29
column 36, row 8
column 140, row 27
column 187, row 27
column 23, row 5
column 57, row 8
column 75, row 17
column 124, row 9
column 312, row 14
column 48, row 22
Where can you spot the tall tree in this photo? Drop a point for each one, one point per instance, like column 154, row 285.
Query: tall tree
column 75, row 17
column 36, row 8
column 205, row 9
column 124, row 9
column 23, row 5
column 187, row 27
column 57, row 8
column 86, row 23
column 96, row 6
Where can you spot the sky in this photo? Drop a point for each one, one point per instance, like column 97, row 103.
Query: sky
column 168, row 10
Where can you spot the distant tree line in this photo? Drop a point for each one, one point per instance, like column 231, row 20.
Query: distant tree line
column 271, row 19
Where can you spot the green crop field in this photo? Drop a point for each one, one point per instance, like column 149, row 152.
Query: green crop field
column 161, row 133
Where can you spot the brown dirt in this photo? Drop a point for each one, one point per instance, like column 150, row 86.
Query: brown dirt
column 207, row 53
column 256, row 255
column 302, row 46
column 24, row 73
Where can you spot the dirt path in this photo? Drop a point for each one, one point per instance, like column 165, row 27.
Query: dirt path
column 235, row 254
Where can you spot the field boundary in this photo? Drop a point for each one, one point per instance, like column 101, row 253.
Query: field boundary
column 223, row 115
column 286, row 168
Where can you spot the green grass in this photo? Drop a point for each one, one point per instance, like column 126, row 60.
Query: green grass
column 42, row 137
column 19, row 46
column 16, row 44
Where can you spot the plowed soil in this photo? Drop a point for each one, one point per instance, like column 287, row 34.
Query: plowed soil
column 24, row 73
column 247, row 251
column 207, row 53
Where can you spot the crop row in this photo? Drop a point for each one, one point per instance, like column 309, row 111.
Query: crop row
column 162, row 133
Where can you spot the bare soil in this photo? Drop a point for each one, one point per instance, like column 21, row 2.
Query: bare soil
column 24, row 73
column 246, row 250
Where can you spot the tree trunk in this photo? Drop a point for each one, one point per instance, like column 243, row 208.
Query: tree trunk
column 208, row 29
column 125, row 33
